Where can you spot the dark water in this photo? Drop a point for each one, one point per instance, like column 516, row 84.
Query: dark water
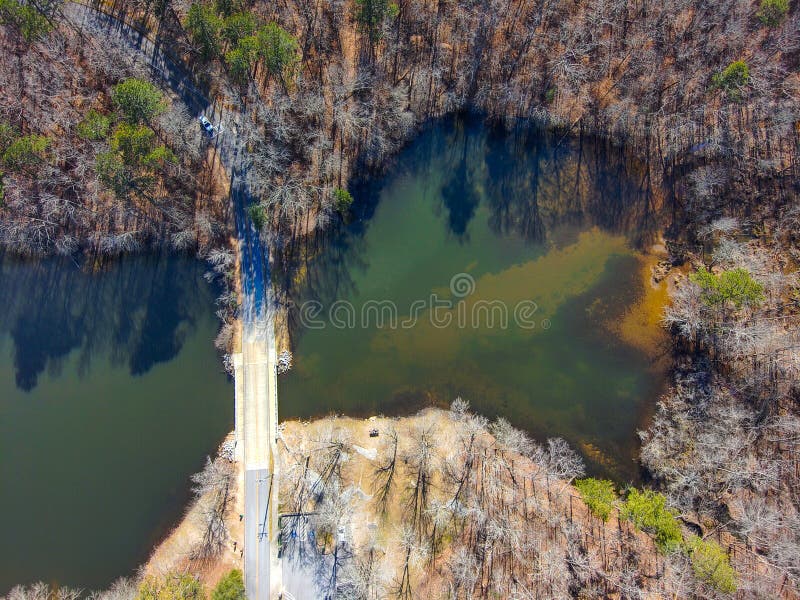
column 532, row 220
column 111, row 395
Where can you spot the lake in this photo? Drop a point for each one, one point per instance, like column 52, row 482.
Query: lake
column 111, row 396
column 510, row 269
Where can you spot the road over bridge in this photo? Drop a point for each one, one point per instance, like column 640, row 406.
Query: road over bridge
column 255, row 367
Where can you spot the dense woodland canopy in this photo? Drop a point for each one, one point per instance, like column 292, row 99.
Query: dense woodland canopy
column 705, row 92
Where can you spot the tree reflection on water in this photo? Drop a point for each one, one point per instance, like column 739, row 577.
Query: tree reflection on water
column 137, row 310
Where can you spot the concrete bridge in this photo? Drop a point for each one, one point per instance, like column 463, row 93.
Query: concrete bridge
column 256, row 436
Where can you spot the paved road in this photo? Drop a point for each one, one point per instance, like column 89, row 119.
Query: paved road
column 255, row 368
column 258, row 428
column 258, row 373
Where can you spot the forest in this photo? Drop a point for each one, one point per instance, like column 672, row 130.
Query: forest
column 706, row 94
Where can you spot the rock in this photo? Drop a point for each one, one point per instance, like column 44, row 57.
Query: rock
column 661, row 270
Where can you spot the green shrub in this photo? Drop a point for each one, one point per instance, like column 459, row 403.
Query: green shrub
column 94, row 126
column 112, row 173
column 138, row 101
column 237, row 26
column 228, row 7
column 136, row 146
column 735, row 286
column 550, row 95
column 171, row 587
column 133, row 142
column 648, row 511
column 279, row 50
column 204, row 27
column 710, row 563
column 772, row 12
column 599, row 495
column 258, row 215
column 7, row 135
column 160, row 156
column 31, row 23
column 230, row 587
column 240, row 63
column 732, row 79
column 26, row 151
column 343, row 200
column 371, row 14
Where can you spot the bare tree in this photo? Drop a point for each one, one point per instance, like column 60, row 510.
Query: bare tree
column 213, row 487
column 385, row 469
column 511, row 438
column 42, row 591
column 562, row 461
column 420, row 460
column 123, row 588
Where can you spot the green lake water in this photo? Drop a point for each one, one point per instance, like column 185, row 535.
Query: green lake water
column 521, row 220
column 111, row 392
column 111, row 396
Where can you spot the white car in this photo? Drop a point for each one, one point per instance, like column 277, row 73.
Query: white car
column 207, row 126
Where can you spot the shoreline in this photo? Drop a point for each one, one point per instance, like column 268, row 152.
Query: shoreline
column 173, row 552
column 552, row 505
